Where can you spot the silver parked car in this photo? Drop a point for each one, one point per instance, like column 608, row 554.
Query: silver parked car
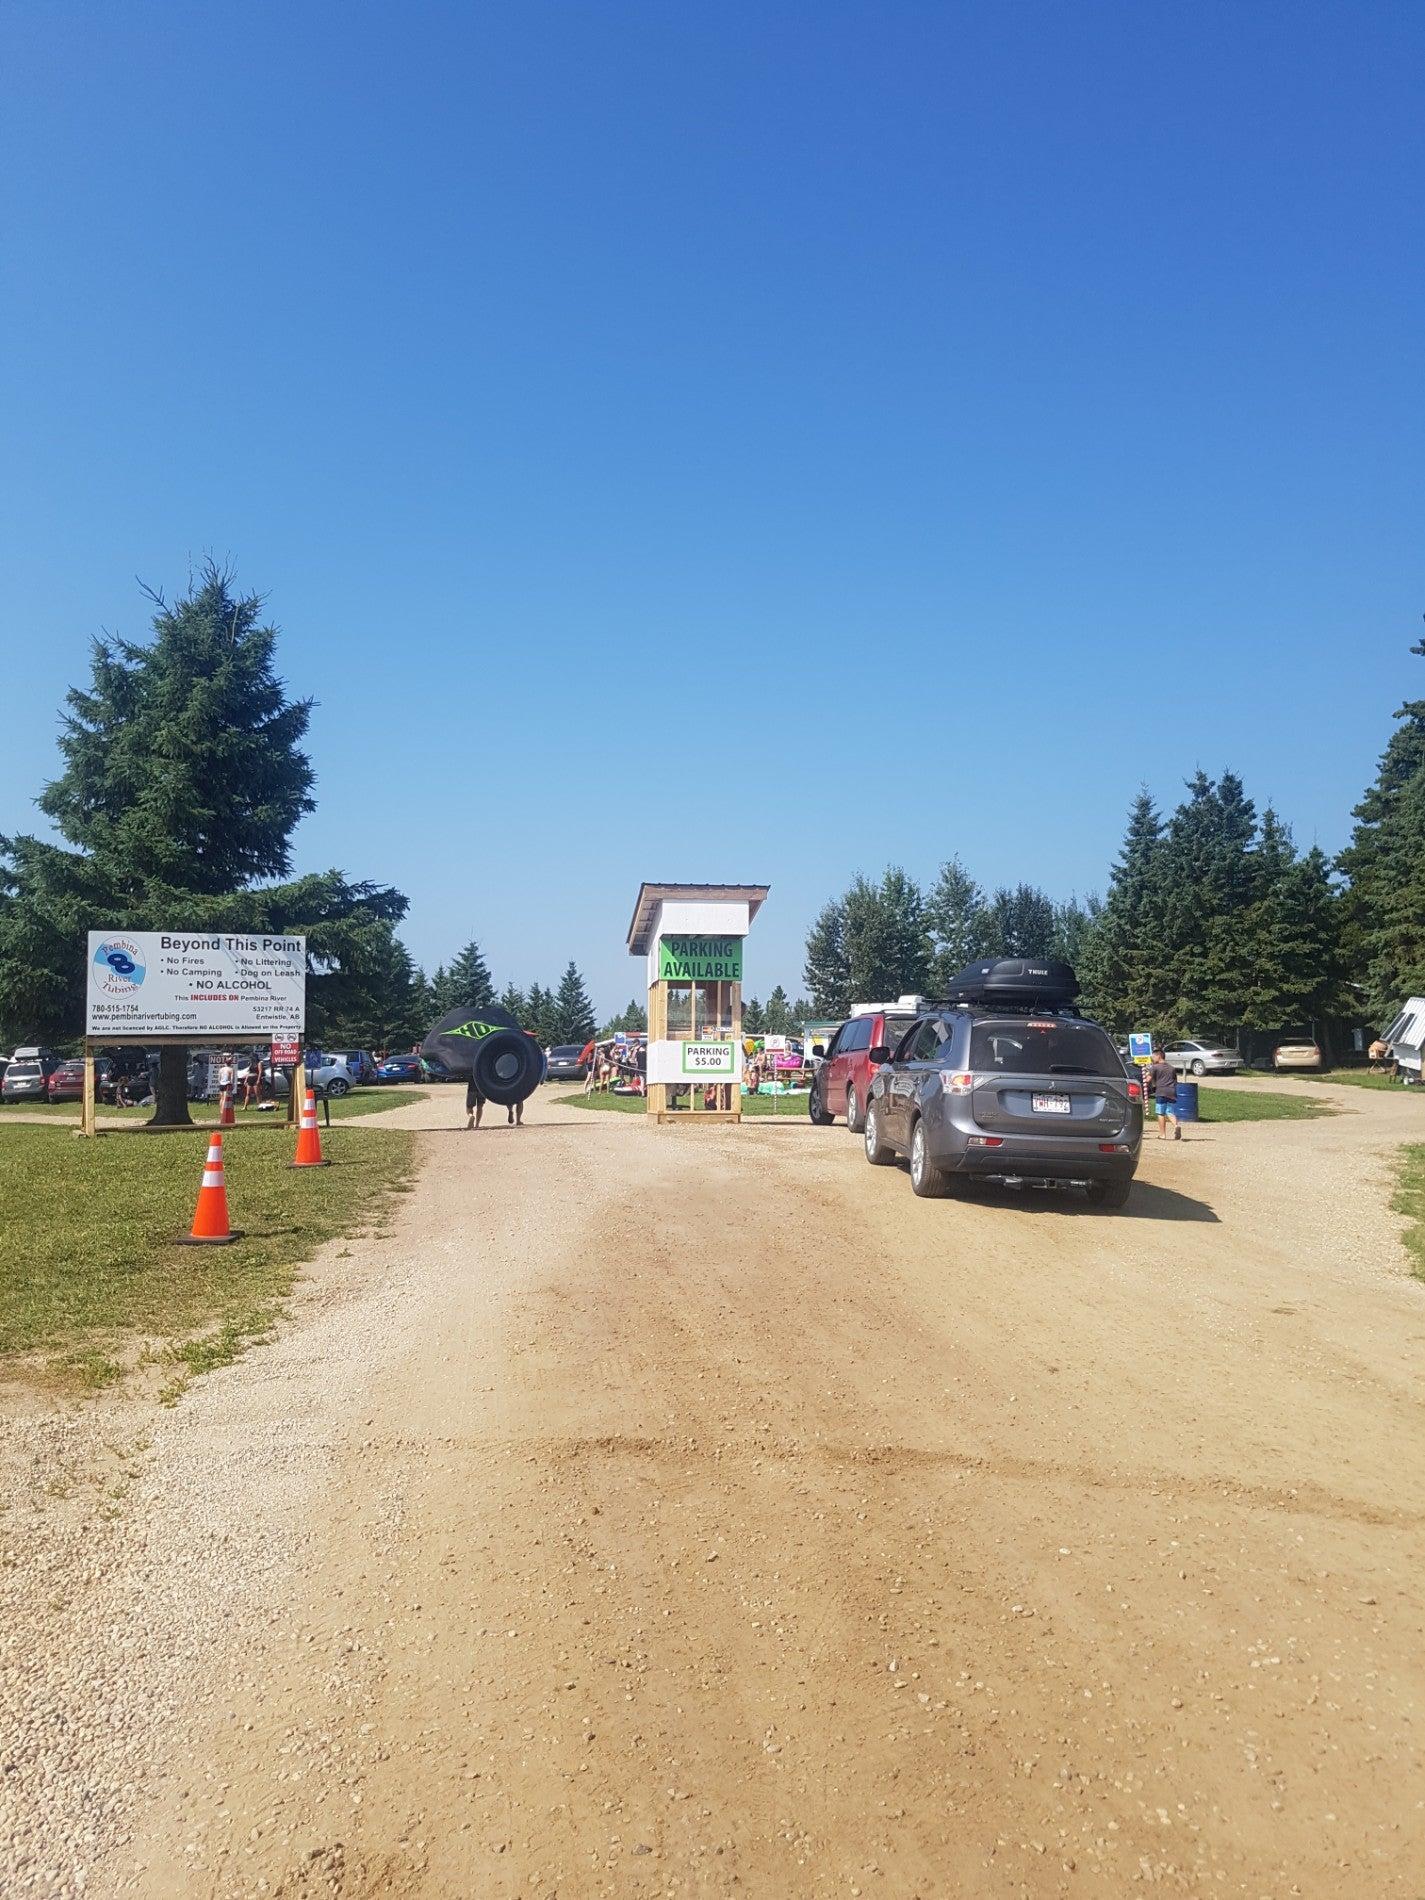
column 980, row 1090
column 1202, row 1058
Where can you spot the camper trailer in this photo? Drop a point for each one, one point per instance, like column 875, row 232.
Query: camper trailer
column 1406, row 1037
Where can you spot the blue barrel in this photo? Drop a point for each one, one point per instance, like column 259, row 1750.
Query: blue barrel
column 1187, row 1101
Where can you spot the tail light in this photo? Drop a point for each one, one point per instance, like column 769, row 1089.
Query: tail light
column 985, row 1141
column 1113, row 1147
column 960, row 1084
column 1135, row 1091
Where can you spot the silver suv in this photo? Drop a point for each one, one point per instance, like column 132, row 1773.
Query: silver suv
column 1005, row 1095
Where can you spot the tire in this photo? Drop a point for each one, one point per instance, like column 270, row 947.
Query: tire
column 509, row 1067
column 928, row 1181
column 1199, row 1068
column 337, row 1087
column 819, row 1116
column 1109, row 1193
column 877, row 1153
column 855, row 1119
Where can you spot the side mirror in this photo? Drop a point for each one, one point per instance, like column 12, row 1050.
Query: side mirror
column 818, row 1048
column 879, row 1054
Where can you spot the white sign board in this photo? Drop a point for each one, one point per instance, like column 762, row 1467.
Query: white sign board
column 180, row 983
column 680, row 1062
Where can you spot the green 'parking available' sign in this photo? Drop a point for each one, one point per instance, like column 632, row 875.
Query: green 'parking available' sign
column 700, row 959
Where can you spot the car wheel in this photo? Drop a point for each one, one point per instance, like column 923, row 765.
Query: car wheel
column 815, row 1111
column 338, row 1086
column 1199, row 1067
column 1109, row 1193
column 877, row 1153
column 855, row 1121
column 928, row 1181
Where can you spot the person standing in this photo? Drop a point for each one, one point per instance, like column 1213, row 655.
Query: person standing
column 1162, row 1078
column 474, row 1104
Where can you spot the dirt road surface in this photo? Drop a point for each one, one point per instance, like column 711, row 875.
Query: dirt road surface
column 695, row 1511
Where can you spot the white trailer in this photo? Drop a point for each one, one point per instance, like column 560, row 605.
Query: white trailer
column 1406, row 1037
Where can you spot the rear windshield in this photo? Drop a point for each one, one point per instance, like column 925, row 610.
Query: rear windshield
column 24, row 1068
column 566, row 1049
column 1043, row 1048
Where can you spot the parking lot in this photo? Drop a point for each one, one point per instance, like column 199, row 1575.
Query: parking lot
column 696, row 1510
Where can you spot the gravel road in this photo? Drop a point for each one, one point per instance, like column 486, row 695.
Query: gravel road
column 694, row 1511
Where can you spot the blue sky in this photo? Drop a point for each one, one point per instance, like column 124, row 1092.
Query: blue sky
column 755, row 441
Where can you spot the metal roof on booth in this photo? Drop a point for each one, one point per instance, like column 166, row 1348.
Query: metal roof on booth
column 650, row 896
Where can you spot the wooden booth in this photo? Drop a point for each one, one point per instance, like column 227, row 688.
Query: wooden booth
column 691, row 937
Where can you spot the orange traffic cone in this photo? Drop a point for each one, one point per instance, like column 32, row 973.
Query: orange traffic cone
column 210, row 1217
column 309, row 1142
column 226, row 1117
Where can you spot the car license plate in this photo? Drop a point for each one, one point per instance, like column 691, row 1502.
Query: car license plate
column 1051, row 1105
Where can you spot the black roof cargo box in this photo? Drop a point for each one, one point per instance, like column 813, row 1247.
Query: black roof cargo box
column 1035, row 982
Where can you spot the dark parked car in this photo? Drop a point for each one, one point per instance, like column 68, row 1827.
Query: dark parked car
column 400, row 1069
column 991, row 1091
column 565, row 1064
column 842, row 1082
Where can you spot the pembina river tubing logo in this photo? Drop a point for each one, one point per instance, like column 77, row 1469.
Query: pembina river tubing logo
column 119, row 966
column 475, row 1030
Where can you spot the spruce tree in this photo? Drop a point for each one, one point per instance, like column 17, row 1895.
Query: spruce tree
column 955, row 916
column 1298, row 981
column 1019, row 923
column 1118, row 965
column 827, row 968
column 512, row 998
column 572, row 1016
column 777, row 1019
column 467, row 981
column 184, row 776
column 754, row 1017
column 1384, row 929
column 887, row 943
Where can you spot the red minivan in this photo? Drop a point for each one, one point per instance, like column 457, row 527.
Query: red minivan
column 842, row 1085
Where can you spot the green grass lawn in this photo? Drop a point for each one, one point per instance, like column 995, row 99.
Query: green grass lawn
column 1227, row 1105
column 91, row 1284
column 366, row 1101
column 1410, row 1201
column 1214, row 1105
column 784, row 1107
column 1361, row 1079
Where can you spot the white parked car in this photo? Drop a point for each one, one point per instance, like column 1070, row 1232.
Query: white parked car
column 1202, row 1058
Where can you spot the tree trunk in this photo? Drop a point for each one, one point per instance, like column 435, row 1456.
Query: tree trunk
column 171, row 1096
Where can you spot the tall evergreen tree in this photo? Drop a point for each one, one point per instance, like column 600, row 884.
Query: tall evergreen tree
column 1298, row 975
column 777, row 1018
column 887, row 943
column 512, row 998
column 1073, row 925
column 572, row 1017
column 1384, row 910
column 1019, row 923
column 184, row 776
column 959, row 928
column 467, row 982
column 1118, row 964
column 754, row 1017
column 828, row 969
column 633, row 1017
